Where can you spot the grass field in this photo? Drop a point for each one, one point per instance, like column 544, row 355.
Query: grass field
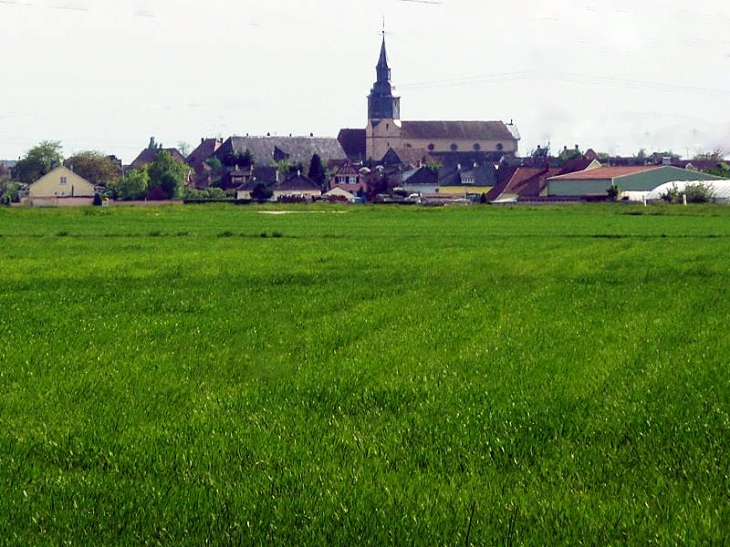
column 365, row 376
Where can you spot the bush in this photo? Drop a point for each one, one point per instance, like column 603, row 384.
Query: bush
column 699, row 193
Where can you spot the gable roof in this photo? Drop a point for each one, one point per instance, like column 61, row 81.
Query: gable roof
column 266, row 150
column 422, row 176
column 456, row 130
column 297, row 183
column 206, row 148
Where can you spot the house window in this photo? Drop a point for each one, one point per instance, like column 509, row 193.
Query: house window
column 64, row 180
column 431, row 147
column 500, row 146
column 454, row 147
column 477, row 147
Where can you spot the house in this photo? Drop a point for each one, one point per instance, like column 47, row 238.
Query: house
column 464, row 181
column 385, row 129
column 345, row 173
column 423, row 180
column 297, row 187
column 60, row 187
column 205, row 150
column 637, row 178
column 269, row 176
column 526, row 183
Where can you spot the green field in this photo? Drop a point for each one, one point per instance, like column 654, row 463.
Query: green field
column 365, row 376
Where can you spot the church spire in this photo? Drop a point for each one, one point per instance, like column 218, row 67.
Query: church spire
column 383, row 101
column 383, row 70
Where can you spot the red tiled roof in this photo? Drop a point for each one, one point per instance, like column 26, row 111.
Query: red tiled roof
column 602, row 173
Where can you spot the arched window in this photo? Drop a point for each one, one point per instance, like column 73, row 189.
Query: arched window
column 477, row 147
column 431, row 147
column 500, row 146
column 454, row 147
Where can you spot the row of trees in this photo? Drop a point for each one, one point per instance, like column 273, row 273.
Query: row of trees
column 162, row 179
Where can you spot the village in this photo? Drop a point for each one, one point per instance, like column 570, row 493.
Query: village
column 389, row 161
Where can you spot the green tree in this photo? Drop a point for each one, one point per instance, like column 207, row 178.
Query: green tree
column 95, row 167
column 717, row 155
column 135, row 184
column 261, row 192
column 167, row 177
column 38, row 161
column 9, row 192
column 699, row 193
column 286, row 167
column 317, row 171
column 613, row 192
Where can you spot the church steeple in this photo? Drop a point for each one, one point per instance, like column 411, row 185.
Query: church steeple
column 383, row 101
column 383, row 70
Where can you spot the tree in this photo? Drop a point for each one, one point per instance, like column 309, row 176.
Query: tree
column 9, row 192
column 317, row 171
column 261, row 192
column 134, row 185
column 722, row 169
column 183, row 148
column 286, row 167
column 613, row 192
column 95, row 167
column 698, row 193
column 717, row 155
column 167, row 177
column 245, row 158
column 38, row 161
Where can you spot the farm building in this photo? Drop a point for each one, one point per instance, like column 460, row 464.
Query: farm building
column 596, row 182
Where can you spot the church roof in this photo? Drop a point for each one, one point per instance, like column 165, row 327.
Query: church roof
column 456, row 130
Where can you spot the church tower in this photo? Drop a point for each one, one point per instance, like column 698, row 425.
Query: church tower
column 383, row 130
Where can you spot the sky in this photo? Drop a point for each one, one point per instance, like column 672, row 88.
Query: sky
column 612, row 75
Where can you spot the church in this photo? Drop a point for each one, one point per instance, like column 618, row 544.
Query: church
column 385, row 130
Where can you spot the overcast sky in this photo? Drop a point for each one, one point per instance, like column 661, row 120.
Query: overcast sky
column 614, row 75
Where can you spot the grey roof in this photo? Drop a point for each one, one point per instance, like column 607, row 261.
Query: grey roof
column 266, row 150
column 457, row 130
column 297, row 183
column 482, row 175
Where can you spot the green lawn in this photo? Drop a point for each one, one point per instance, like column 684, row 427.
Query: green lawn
column 365, row 376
